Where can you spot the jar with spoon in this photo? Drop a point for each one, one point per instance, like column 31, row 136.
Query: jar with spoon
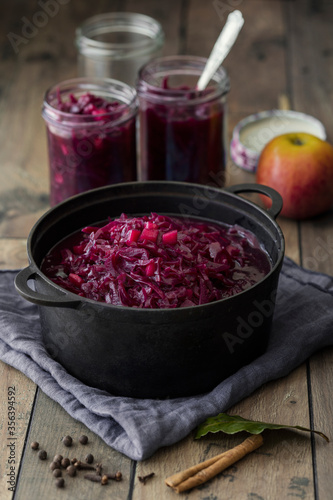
column 183, row 114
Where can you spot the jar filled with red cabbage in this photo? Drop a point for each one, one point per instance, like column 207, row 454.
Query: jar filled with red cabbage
column 91, row 131
column 182, row 129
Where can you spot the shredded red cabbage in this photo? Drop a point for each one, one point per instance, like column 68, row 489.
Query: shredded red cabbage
column 86, row 104
column 157, row 261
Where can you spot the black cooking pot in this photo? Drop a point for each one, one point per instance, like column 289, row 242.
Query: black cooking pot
column 154, row 353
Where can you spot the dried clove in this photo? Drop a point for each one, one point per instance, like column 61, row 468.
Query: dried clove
column 68, row 441
column 93, row 477
column 42, row 455
column 104, row 479
column 115, row 477
column 144, row 479
column 83, row 439
column 99, row 468
column 34, row 445
column 83, row 466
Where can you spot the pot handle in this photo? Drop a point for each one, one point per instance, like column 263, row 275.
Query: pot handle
column 276, row 198
column 21, row 285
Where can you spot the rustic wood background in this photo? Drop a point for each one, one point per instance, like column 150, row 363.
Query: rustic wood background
column 285, row 50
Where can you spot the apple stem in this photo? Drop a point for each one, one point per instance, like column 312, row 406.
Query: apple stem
column 297, row 141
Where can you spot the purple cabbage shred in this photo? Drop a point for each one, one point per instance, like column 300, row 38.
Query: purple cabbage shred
column 157, row 261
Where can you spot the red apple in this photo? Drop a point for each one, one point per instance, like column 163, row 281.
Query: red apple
column 300, row 167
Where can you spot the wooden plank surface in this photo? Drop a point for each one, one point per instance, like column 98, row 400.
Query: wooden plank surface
column 50, row 424
column 322, row 410
column 317, row 251
column 16, row 390
column 311, row 71
column 310, row 58
column 285, row 48
column 285, row 457
column 13, row 253
column 17, row 394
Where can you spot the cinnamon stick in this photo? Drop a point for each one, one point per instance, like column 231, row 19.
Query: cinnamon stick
column 201, row 473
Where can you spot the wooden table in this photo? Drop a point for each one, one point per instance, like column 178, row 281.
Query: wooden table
column 285, row 49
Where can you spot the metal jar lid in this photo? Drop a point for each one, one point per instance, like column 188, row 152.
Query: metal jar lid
column 253, row 132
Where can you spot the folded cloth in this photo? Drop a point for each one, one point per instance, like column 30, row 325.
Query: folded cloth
column 138, row 427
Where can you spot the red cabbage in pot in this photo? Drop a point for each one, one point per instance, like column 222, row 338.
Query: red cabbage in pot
column 157, row 261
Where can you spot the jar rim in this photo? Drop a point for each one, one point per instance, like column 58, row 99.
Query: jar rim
column 119, row 22
column 102, row 87
column 149, row 87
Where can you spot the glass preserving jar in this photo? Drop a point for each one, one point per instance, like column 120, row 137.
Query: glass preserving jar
column 182, row 130
column 91, row 132
column 115, row 45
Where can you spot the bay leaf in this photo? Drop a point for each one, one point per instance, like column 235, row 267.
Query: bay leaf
column 231, row 424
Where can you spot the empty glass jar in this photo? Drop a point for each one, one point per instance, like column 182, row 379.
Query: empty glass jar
column 115, row 45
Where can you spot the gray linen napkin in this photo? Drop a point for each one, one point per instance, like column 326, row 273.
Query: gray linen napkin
column 302, row 325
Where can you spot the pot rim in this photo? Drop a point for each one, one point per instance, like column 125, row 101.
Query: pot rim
column 73, row 300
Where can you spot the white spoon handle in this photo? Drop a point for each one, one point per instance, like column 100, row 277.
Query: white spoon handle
column 222, row 47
